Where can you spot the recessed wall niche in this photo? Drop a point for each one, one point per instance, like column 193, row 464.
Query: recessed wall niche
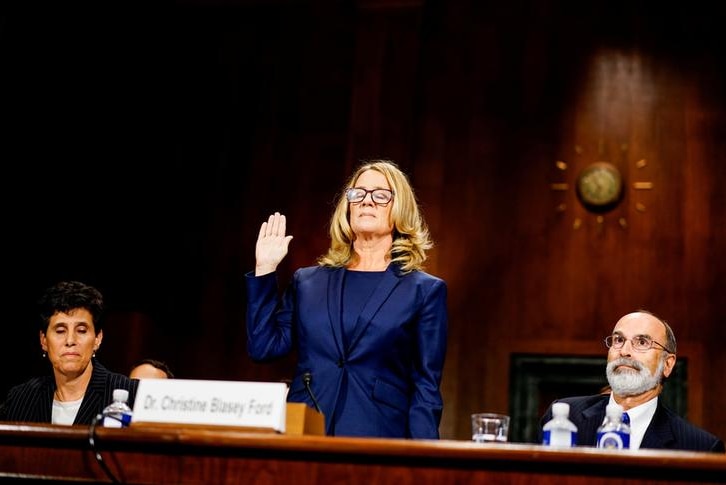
column 537, row 380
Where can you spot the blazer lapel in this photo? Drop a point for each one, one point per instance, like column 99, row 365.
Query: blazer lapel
column 335, row 296
column 659, row 433
column 93, row 399
column 592, row 418
column 45, row 405
column 378, row 298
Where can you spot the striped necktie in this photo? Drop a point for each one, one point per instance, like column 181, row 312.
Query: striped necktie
column 626, row 419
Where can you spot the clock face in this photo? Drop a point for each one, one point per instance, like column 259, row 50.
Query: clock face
column 600, row 186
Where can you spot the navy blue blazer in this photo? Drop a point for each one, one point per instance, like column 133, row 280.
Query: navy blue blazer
column 32, row 401
column 385, row 383
column 666, row 430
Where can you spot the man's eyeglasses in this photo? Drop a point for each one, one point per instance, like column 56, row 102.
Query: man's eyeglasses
column 640, row 343
column 378, row 196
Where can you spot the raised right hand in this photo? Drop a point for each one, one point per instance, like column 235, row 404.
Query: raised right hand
column 271, row 245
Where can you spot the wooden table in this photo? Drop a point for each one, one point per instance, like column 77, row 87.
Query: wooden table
column 214, row 456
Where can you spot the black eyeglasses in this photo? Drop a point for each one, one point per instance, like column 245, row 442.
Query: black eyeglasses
column 378, row 196
column 640, row 343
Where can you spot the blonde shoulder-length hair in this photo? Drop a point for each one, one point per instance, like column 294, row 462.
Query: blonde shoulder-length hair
column 411, row 237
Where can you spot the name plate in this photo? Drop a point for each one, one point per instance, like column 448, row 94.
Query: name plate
column 221, row 403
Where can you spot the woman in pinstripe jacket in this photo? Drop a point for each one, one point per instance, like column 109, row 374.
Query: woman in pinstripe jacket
column 79, row 387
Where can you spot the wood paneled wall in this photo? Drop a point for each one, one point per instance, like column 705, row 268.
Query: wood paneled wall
column 239, row 109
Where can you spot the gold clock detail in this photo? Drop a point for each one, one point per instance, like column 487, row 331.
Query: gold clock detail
column 600, row 186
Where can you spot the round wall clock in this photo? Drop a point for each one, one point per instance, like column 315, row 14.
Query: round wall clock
column 600, row 186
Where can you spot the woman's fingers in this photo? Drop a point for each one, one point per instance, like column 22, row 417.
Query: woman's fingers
column 271, row 224
column 275, row 227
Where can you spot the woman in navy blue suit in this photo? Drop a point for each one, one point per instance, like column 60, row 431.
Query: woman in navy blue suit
column 368, row 324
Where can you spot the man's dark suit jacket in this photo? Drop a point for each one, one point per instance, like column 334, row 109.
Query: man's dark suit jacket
column 32, row 401
column 667, row 430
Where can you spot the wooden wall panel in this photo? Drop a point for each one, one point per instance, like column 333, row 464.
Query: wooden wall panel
column 517, row 267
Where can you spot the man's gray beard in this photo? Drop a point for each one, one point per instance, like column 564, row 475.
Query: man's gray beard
column 628, row 383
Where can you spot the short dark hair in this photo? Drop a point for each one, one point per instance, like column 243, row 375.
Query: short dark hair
column 162, row 366
column 66, row 296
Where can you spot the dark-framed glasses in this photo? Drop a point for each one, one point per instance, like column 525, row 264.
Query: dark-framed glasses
column 640, row 343
column 378, row 196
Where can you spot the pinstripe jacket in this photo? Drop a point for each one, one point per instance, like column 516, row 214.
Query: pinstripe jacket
column 666, row 430
column 32, row 401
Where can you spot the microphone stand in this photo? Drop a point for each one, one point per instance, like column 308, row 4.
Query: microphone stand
column 307, row 378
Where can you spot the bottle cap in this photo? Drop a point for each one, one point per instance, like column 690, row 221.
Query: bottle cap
column 120, row 395
column 614, row 410
column 560, row 409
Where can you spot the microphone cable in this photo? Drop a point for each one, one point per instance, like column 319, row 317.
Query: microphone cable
column 96, row 451
column 307, row 378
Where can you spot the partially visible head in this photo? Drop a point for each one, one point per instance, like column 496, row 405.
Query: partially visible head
column 151, row 369
column 632, row 371
column 70, row 326
column 410, row 234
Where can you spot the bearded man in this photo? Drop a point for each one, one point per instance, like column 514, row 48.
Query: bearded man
column 641, row 354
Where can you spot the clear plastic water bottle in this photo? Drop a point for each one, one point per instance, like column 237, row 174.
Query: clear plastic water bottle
column 613, row 433
column 559, row 432
column 118, row 414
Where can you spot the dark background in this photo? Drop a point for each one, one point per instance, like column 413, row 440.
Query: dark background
column 144, row 142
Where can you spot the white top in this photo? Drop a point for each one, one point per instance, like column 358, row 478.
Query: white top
column 64, row 412
column 640, row 417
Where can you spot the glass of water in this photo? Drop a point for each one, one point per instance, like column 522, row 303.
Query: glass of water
column 489, row 428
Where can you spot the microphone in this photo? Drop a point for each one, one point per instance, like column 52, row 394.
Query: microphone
column 307, row 378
